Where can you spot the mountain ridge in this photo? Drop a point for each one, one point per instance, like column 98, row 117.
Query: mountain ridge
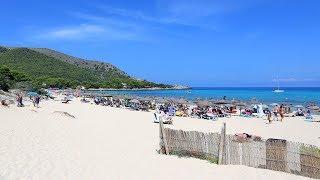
column 85, row 63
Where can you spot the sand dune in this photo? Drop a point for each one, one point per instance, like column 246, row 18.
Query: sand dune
column 109, row 143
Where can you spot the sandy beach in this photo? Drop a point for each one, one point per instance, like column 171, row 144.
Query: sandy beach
column 112, row 143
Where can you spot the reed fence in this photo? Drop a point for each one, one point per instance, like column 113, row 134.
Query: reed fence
column 274, row 154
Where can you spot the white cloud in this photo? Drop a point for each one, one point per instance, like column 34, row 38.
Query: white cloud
column 73, row 32
column 127, row 24
column 92, row 32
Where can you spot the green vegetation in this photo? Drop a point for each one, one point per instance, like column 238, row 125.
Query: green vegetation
column 32, row 69
column 6, row 78
column 9, row 78
column 100, row 67
column 209, row 158
column 310, row 150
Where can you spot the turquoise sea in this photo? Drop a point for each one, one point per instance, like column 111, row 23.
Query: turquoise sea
column 291, row 95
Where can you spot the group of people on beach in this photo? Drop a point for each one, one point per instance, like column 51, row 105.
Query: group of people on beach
column 171, row 108
column 277, row 110
column 35, row 100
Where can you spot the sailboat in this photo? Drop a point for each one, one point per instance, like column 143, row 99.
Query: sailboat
column 278, row 90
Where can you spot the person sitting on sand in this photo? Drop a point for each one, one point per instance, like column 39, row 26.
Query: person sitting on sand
column 243, row 137
column 309, row 114
column 165, row 117
column 4, row 103
column 299, row 112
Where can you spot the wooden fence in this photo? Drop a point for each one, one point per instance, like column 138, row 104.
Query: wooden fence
column 273, row 154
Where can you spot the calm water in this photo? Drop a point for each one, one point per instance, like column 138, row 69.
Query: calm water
column 291, row 95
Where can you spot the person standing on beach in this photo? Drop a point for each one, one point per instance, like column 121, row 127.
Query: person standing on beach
column 19, row 100
column 281, row 111
column 275, row 112
column 33, row 101
column 37, row 101
column 268, row 113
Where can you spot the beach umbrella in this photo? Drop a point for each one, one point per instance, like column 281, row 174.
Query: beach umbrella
column 181, row 101
column 32, row 94
column 241, row 104
column 162, row 101
column 233, row 101
column 203, row 103
column 274, row 104
column 136, row 101
column 145, row 99
column 221, row 102
column 298, row 106
column 254, row 101
column 123, row 97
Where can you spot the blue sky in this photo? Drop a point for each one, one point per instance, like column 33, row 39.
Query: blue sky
column 192, row 42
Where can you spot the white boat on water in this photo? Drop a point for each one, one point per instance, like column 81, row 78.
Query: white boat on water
column 278, row 90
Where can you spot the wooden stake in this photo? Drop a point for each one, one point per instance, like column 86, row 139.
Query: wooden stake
column 163, row 142
column 222, row 145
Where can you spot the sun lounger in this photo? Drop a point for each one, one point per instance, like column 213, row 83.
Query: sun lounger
column 210, row 116
column 157, row 119
column 66, row 101
column 246, row 115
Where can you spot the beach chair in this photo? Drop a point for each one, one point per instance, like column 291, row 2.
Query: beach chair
column 65, row 101
column 210, row 116
column 156, row 118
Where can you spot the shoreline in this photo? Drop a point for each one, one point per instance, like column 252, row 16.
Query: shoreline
column 140, row 89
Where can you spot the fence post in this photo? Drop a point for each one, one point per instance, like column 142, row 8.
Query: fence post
column 228, row 154
column 222, row 145
column 163, row 142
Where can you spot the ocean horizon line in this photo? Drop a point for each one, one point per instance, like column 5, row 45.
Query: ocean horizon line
column 272, row 87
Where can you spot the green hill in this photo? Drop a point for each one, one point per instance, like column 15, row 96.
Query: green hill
column 100, row 67
column 45, row 67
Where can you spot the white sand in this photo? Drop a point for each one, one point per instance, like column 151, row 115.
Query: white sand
column 110, row 143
